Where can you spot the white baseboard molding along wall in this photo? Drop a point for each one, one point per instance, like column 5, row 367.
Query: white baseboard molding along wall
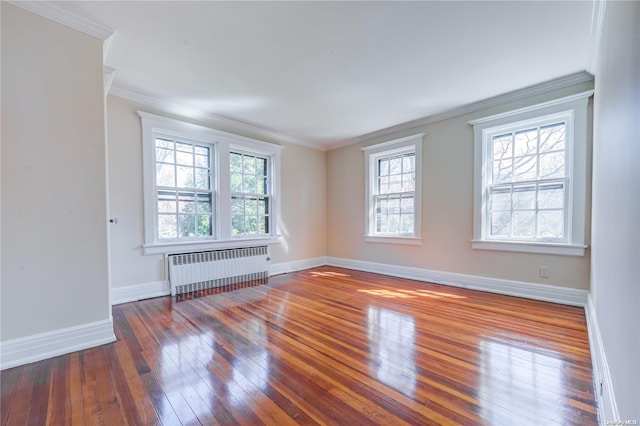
column 133, row 293
column 296, row 265
column 607, row 406
column 548, row 293
column 41, row 346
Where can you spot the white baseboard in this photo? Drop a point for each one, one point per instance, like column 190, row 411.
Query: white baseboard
column 607, row 406
column 137, row 292
column 41, row 346
column 548, row 293
column 296, row 265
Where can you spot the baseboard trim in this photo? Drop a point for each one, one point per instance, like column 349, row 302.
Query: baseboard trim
column 136, row 292
column 548, row 293
column 41, row 346
column 607, row 406
column 296, row 265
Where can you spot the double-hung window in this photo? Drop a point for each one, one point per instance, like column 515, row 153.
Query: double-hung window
column 393, row 175
column 206, row 189
column 530, row 178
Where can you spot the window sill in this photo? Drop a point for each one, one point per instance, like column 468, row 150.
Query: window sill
column 193, row 246
column 412, row 241
column 524, row 247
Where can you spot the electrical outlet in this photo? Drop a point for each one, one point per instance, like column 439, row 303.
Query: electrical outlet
column 544, row 272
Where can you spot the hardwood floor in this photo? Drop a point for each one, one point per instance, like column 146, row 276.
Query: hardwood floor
column 322, row 346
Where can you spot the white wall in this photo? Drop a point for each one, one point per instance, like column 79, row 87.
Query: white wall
column 54, row 225
column 615, row 278
column 447, row 209
column 303, row 187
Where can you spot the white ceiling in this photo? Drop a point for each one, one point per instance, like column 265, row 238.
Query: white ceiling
column 325, row 72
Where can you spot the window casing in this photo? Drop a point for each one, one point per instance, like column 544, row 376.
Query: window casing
column 191, row 191
column 393, row 189
column 530, row 178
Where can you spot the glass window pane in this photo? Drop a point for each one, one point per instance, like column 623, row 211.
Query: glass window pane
column 502, row 171
column 186, row 226
column 381, row 223
column 204, row 225
column 395, row 165
column 204, row 203
column 395, row 183
column 393, row 224
column 524, row 197
column 500, row 199
column 406, row 224
column 551, row 196
column 383, row 185
column 167, row 202
column 261, row 185
column 524, row 224
column 249, row 165
column 261, row 166
column 252, row 224
column 237, row 206
column 526, row 142
column 525, row 168
column 408, row 182
column 202, row 161
column 502, row 147
column 394, row 205
column 202, row 150
column 552, row 165
column 235, row 162
column 164, row 143
column 165, row 175
column 164, row 155
column 250, row 206
column 551, row 224
column 236, row 182
column 250, row 184
column 184, row 147
column 408, row 163
column 237, row 225
column 501, row 224
column 406, row 205
column 262, row 206
column 185, row 177
column 383, row 167
column 202, row 179
column 552, row 138
column 184, row 158
column 167, row 226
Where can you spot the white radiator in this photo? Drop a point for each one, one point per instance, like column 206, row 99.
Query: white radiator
column 209, row 269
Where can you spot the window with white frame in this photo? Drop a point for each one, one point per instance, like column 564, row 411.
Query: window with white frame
column 530, row 178
column 206, row 189
column 393, row 175
column 249, row 194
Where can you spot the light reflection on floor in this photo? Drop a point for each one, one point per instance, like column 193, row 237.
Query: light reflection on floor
column 411, row 294
column 513, row 374
column 392, row 338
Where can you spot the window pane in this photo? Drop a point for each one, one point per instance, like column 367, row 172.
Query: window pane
column 502, row 171
column 526, row 143
column 524, row 197
column 383, row 167
column 261, row 166
column 406, row 224
column 500, row 199
column 408, row 163
column 408, row 182
column 202, row 150
column 502, row 147
column 204, row 203
column 237, row 206
column 184, row 147
column 406, row 205
column 393, row 224
column 185, row 177
column 524, row 224
column 249, row 184
column 394, row 205
column 395, row 165
column 395, row 183
column 552, row 138
column 165, row 175
column 381, row 223
column 186, row 204
column 525, row 168
column 186, row 226
column 551, row 224
column 501, row 224
column 263, row 206
column 551, row 196
column 164, row 155
column 202, row 161
column 164, row 143
column 552, row 165
column 261, row 185
column 204, row 225
column 184, row 158
column 249, row 165
column 383, row 185
column 167, row 202
column 235, row 162
column 202, row 179
column 167, row 226
column 236, row 182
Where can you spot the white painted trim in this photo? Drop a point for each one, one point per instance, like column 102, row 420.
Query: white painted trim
column 296, row 265
column 379, row 239
column 227, row 123
column 548, row 293
column 597, row 22
column 133, row 293
column 41, row 346
column 607, row 406
column 48, row 10
column 109, row 74
column 524, row 247
column 193, row 246
column 517, row 95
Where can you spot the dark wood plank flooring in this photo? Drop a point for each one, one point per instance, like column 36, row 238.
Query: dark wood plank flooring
column 322, row 346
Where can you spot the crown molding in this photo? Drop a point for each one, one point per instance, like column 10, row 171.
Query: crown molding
column 215, row 120
column 597, row 21
column 61, row 16
column 527, row 92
